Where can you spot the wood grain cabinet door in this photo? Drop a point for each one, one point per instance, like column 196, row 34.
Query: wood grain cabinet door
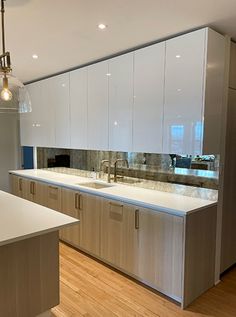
column 90, row 214
column 15, row 185
column 21, row 187
column 53, row 197
column 71, row 207
column 119, row 235
column 160, row 255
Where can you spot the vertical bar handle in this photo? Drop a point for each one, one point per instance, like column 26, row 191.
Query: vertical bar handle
column 80, row 201
column 136, row 219
column 32, row 188
column 76, row 201
column 20, row 184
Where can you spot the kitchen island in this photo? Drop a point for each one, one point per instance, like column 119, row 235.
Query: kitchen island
column 29, row 257
column 165, row 240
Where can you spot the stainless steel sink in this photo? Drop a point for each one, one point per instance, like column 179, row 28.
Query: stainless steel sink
column 95, row 185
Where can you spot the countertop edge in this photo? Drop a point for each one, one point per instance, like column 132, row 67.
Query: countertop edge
column 35, row 234
column 97, row 192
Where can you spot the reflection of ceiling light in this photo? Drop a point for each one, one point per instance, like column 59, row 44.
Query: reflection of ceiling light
column 108, row 74
column 177, row 56
column 115, row 123
column 35, row 56
column 102, row 26
column 11, row 87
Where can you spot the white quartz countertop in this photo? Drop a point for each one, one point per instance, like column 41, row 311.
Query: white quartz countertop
column 147, row 198
column 21, row 219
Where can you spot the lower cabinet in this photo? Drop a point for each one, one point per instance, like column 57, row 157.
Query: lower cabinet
column 145, row 243
column 160, row 256
column 28, row 189
column 119, row 235
column 70, row 205
column 53, row 197
column 87, row 209
column 19, row 186
column 90, row 212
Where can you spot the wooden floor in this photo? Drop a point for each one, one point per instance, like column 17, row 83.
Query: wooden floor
column 89, row 288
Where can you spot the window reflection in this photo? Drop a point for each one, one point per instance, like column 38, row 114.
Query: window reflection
column 177, row 138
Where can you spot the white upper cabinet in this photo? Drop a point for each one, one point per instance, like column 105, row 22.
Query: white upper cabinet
column 58, row 99
column 37, row 127
column 194, row 78
column 48, row 125
column 164, row 98
column 79, row 108
column 98, row 106
column 149, row 65
column 120, row 102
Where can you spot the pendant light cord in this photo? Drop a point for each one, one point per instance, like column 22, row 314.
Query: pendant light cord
column 3, row 27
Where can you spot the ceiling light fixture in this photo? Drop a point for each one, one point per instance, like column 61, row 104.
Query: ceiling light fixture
column 102, row 26
column 12, row 90
column 35, row 56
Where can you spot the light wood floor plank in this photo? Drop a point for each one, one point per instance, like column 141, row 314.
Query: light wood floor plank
column 90, row 289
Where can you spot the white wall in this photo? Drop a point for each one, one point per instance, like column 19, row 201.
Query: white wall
column 9, row 147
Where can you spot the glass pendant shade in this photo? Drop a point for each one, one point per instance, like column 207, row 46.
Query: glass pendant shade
column 14, row 96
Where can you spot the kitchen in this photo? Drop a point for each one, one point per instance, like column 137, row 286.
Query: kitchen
column 131, row 152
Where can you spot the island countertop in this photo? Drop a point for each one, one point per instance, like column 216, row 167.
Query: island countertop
column 147, row 198
column 22, row 219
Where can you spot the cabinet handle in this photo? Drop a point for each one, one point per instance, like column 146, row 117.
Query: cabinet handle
column 32, row 188
column 80, row 197
column 116, row 205
column 76, row 201
column 20, row 184
column 53, row 187
column 136, row 219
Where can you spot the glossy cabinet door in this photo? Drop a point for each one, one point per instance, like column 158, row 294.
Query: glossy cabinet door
column 98, row 106
column 149, row 64
column 184, row 92
column 120, row 102
column 37, row 127
column 119, row 233
column 90, row 216
column 70, row 206
column 57, row 98
column 160, row 251
column 79, row 108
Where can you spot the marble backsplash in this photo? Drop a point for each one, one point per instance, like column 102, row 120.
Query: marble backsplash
column 190, row 191
column 153, row 167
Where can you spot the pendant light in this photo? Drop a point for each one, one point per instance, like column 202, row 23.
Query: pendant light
column 14, row 96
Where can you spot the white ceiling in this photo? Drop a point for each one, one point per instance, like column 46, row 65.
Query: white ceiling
column 64, row 33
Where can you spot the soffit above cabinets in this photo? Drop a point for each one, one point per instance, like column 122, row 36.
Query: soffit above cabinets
column 65, row 34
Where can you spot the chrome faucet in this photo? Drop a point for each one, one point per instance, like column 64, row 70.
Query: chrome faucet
column 109, row 169
column 115, row 167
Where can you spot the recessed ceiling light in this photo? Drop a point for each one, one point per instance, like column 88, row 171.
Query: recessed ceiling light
column 35, row 56
column 102, row 26
column 178, row 56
